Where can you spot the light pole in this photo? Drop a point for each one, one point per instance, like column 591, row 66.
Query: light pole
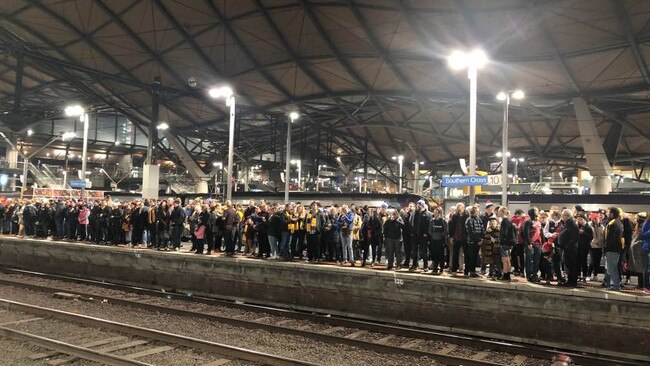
column 505, row 98
column 79, row 111
column 227, row 93
column 292, row 117
column 400, row 160
column 516, row 161
column 472, row 61
column 298, row 163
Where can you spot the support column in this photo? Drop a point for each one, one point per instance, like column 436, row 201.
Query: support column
column 416, row 176
column 202, row 187
column 592, row 144
column 151, row 170
column 12, row 157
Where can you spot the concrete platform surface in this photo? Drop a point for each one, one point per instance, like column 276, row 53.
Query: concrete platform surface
column 588, row 318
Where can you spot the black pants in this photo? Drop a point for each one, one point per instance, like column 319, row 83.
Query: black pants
column 313, row 246
column 455, row 258
column 571, row 263
column 376, row 247
column 437, row 250
column 365, row 249
column 175, row 236
column 583, row 267
column 82, row 230
column 419, row 248
column 229, row 236
column 153, row 235
column 72, row 230
column 407, row 250
column 517, row 258
column 136, row 236
column 297, row 243
column 263, row 242
column 330, row 248
column 596, row 256
column 471, row 257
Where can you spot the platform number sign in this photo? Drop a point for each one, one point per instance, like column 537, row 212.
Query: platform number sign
column 494, row 180
column 399, row 281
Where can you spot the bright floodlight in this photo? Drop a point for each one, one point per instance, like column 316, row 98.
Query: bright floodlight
column 221, row 92
column 162, row 126
column 459, row 60
column 502, row 96
column 518, row 94
column 500, row 154
column 294, row 116
column 74, row 111
column 215, row 164
column 68, row 136
column 30, row 132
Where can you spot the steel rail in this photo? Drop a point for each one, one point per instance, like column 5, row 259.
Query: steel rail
column 530, row 350
column 208, row 346
column 69, row 349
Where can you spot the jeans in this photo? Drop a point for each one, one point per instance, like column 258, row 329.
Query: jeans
column 646, row 273
column 613, row 277
column 455, row 258
column 284, row 244
column 532, row 262
column 393, row 247
column 346, row 246
column 273, row 241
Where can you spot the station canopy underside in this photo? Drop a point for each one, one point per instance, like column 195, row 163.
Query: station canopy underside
column 357, row 71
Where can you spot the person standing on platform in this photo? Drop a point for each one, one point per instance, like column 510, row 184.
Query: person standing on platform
column 458, row 237
column 584, row 244
column 645, row 237
column 614, row 247
column 376, row 240
column 438, row 233
column 489, row 246
column 231, row 221
column 419, row 226
column 82, row 218
column 475, row 233
column 314, row 227
column 568, row 240
column 298, row 237
column 94, row 223
column 288, row 230
column 72, row 218
column 392, row 230
column 275, row 224
column 177, row 220
column 261, row 224
column 407, row 240
column 596, row 247
column 347, row 221
column 532, row 234
column 152, row 223
column 507, row 239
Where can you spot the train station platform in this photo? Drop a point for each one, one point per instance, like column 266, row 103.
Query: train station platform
column 591, row 319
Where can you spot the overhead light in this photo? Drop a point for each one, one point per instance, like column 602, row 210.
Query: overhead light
column 459, row 60
column 117, row 142
column 68, row 136
column 74, row 110
column 47, row 154
column 30, row 132
column 162, row 126
column 502, row 96
column 500, row 154
column 518, row 94
column 294, row 116
column 221, row 92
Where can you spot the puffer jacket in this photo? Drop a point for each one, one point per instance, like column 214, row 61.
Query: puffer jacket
column 645, row 236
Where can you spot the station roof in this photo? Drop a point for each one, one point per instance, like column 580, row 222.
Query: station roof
column 357, row 71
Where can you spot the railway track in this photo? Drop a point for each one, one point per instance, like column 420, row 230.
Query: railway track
column 451, row 349
column 135, row 342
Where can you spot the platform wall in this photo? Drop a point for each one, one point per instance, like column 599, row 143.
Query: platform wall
column 609, row 321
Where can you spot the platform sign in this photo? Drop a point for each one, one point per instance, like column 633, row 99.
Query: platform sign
column 464, row 181
column 78, row 184
column 494, row 180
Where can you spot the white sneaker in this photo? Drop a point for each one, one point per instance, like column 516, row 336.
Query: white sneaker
column 177, row 249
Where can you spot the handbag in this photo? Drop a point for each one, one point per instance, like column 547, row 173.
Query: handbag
column 199, row 232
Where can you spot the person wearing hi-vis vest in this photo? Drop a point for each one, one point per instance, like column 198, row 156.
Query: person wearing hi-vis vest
column 313, row 228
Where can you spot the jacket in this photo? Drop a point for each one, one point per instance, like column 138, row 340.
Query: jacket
column 314, row 222
column 420, row 223
column 177, row 216
column 507, row 233
column 438, row 229
column 645, row 236
column 475, row 230
column 587, row 235
column 393, row 229
column 569, row 236
column 598, row 241
column 457, row 226
column 276, row 222
column 614, row 241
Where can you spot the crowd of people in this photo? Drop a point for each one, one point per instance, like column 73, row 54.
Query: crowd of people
column 565, row 246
